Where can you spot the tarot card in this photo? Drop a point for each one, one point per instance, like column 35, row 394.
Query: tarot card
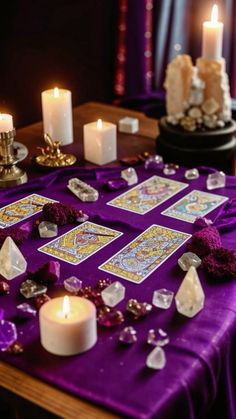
column 147, row 195
column 78, row 244
column 22, row 209
column 195, row 204
column 136, row 261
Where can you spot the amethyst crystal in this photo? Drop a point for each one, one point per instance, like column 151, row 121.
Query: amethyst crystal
column 48, row 273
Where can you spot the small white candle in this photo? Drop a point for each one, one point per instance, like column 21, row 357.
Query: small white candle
column 6, row 122
column 68, row 325
column 57, row 115
column 212, row 37
column 100, row 142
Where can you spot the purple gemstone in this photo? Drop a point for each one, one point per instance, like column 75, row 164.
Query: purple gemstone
column 26, row 311
column 73, row 284
column 2, row 313
column 48, row 273
column 154, row 162
column 4, row 288
column 109, row 317
column 27, row 227
column 116, row 184
column 128, row 335
column 8, row 334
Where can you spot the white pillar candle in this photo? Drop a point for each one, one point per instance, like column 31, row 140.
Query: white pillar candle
column 212, row 37
column 57, row 115
column 6, row 122
column 100, row 142
column 68, row 325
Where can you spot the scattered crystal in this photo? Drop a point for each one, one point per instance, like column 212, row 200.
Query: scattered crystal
column 103, row 283
column 39, row 300
column 138, row 309
column 162, row 298
column 49, row 273
column 170, row 169
column 215, row 180
column 31, row 288
column 26, row 311
column 156, row 359
column 108, row 317
column 130, row 176
column 12, row 262
column 189, row 259
column 113, row 294
column 191, row 174
column 4, row 288
column 116, row 184
column 82, row 218
column 92, row 294
column 73, row 284
column 203, row 221
column 82, row 190
column 8, row 334
column 190, row 296
column 128, row 335
column 47, row 229
column 128, row 124
column 157, row 338
column 16, row 348
column 154, row 162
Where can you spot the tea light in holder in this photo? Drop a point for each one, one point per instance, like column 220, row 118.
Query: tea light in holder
column 100, row 142
column 57, row 115
column 68, row 325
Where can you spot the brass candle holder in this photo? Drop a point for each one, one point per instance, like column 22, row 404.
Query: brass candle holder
column 52, row 156
column 10, row 174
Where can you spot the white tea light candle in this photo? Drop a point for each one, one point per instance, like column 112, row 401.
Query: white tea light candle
column 100, row 142
column 57, row 115
column 6, row 122
column 68, row 325
column 212, row 37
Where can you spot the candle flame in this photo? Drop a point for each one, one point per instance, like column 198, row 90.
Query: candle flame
column 56, row 92
column 66, row 307
column 214, row 14
column 99, row 124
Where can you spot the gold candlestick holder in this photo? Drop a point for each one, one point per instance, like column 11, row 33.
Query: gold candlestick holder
column 10, row 174
column 52, row 156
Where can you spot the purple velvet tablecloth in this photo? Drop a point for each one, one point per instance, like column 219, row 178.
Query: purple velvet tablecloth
column 199, row 379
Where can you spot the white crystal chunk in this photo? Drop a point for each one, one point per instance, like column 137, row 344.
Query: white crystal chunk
column 189, row 259
column 190, row 296
column 12, row 262
column 47, row 229
column 215, row 180
column 113, row 294
column 130, row 176
column 129, row 125
column 156, row 359
column 82, row 190
column 191, row 174
column 162, row 298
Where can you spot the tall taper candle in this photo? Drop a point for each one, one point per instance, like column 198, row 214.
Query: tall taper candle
column 212, row 37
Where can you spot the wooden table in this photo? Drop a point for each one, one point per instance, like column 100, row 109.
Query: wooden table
column 18, row 386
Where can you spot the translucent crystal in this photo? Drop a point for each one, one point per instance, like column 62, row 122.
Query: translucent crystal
column 8, row 334
column 73, row 284
column 191, row 174
column 170, row 169
column 128, row 335
column 190, row 296
column 154, row 162
column 157, row 337
column 82, row 218
column 162, row 298
column 138, row 309
column 113, row 294
column 109, row 317
column 189, row 259
column 26, row 311
column 215, row 180
column 130, row 176
column 127, row 124
column 31, row 289
column 156, row 359
column 47, row 229
column 12, row 262
column 82, row 190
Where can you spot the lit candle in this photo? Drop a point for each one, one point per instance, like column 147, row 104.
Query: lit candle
column 68, row 325
column 6, row 122
column 57, row 115
column 100, row 142
column 212, row 37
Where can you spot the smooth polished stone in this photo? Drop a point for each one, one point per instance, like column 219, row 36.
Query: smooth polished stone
column 26, row 311
column 189, row 259
column 47, row 229
column 130, row 175
column 73, row 284
column 191, row 174
column 138, row 309
column 8, row 334
column 30, row 289
column 116, row 184
column 113, row 294
column 109, row 317
column 154, row 162
column 12, row 262
column 215, row 180
column 162, row 298
column 128, row 335
column 190, row 296
column 156, row 359
column 157, row 337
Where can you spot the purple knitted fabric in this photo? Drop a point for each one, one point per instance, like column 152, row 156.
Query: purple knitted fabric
column 60, row 214
column 204, row 241
column 221, row 263
column 17, row 235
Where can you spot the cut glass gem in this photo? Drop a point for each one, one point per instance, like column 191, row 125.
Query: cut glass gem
column 12, row 262
column 82, row 190
column 190, row 296
column 130, row 176
column 162, row 298
column 73, row 284
column 156, row 359
column 128, row 335
column 189, row 259
column 191, row 174
column 8, row 334
column 154, row 162
column 82, row 218
column 113, row 294
column 31, row 288
column 157, row 338
column 47, row 229
column 170, row 169
column 215, row 180
column 26, row 311
column 138, row 309
column 109, row 317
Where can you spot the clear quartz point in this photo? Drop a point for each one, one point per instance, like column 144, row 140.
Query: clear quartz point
column 128, row 335
column 162, row 298
column 47, row 229
column 12, row 262
column 130, row 175
column 189, row 259
column 73, row 284
column 156, row 359
column 30, row 289
column 216, row 180
column 192, row 174
column 113, row 294
column 157, row 338
column 190, row 296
